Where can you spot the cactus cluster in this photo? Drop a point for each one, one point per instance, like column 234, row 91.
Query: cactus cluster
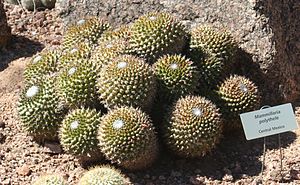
column 120, row 93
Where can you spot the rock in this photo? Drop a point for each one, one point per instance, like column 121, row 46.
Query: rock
column 197, row 180
column 24, row 170
column 267, row 31
column 275, row 175
column 2, row 124
column 227, row 178
column 295, row 174
column 2, row 138
column 54, row 148
column 6, row 182
column 5, row 31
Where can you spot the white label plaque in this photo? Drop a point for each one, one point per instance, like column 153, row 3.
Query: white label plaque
column 269, row 121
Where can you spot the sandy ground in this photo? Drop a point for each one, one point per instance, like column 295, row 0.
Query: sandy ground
column 234, row 161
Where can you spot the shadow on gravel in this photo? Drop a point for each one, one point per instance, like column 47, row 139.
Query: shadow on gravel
column 19, row 47
column 286, row 139
column 233, row 156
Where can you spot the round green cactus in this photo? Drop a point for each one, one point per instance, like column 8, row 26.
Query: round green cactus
column 78, row 134
column 40, row 110
column 103, row 175
column 193, row 127
column 127, row 81
column 86, row 31
column 156, row 34
column 208, row 40
column 77, row 84
column 212, row 72
column 41, row 66
column 50, row 180
column 107, row 50
column 237, row 95
column 71, row 55
column 177, row 76
column 121, row 33
column 127, row 137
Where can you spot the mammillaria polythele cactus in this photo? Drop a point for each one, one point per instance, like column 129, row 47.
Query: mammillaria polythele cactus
column 127, row 138
column 127, row 80
column 103, row 175
column 208, row 40
column 213, row 52
column 121, row 33
column 237, row 95
column 77, row 84
column 107, row 50
column 70, row 55
column 177, row 76
column 41, row 66
column 40, row 110
column 193, row 127
column 86, row 31
column 156, row 34
column 78, row 134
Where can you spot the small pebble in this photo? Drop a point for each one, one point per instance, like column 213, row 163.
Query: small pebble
column 295, row 174
column 24, row 170
column 6, row 182
column 2, row 138
column 54, row 148
column 228, row 178
column 2, row 124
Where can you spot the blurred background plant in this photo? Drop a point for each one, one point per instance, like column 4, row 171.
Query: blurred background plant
column 33, row 5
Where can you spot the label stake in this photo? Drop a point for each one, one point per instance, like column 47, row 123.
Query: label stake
column 264, row 149
column 264, row 153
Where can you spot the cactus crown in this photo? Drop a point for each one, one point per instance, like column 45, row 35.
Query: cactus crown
column 193, row 126
column 177, row 76
column 156, row 34
column 79, row 130
column 129, row 81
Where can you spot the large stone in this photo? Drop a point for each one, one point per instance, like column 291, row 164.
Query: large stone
column 267, row 31
column 5, row 31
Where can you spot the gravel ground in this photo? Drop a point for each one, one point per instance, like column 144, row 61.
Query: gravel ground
column 235, row 161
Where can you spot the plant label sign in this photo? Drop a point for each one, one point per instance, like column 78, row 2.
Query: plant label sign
column 269, row 121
